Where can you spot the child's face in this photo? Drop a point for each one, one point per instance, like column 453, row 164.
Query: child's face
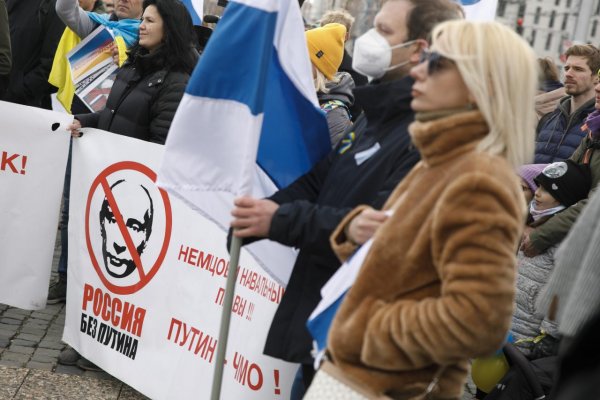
column 526, row 192
column 544, row 200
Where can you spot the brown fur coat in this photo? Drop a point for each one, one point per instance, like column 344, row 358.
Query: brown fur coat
column 437, row 286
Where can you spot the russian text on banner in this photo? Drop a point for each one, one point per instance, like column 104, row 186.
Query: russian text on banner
column 249, row 122
column 33, row 156
column 146, row 279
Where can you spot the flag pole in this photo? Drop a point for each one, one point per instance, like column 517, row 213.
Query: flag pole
column 234, row 252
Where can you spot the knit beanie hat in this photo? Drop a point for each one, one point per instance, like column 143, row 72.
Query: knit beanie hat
column 528, row 172
column 326, row 47
column 567, row 181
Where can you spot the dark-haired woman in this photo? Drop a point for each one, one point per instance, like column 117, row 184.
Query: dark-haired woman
column 146, row 93
column 150, row 85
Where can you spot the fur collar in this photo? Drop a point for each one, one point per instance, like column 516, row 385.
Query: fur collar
column 446, row 137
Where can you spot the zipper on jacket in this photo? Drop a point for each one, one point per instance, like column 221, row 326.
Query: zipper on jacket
column 128, row 89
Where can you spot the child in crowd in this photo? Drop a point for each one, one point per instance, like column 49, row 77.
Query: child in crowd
column 334, row 90
column 528, row 173
column 559, row 185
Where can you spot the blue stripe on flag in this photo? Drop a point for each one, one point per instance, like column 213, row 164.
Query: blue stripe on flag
column 293, row 135
column 320, row 324
column 220, row 74
column 195, row 17
column 239, row 91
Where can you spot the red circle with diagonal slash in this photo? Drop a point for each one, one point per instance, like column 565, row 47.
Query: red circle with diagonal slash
column 102, row 181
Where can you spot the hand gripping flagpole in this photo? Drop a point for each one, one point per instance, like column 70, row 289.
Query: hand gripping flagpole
column 234, row 251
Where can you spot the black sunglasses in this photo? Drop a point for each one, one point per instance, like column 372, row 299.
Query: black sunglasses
column 435, row 61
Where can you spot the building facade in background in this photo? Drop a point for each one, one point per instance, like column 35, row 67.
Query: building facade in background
column 551, row 26
column 363, row 10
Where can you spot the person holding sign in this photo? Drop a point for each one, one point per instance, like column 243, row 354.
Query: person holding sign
column 150, row 85
column 83, row 23
column 124, row 24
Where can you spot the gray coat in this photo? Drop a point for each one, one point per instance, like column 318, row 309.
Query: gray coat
column 533, row 274
column 75, row 17
column 336, row 103
column 572, row 292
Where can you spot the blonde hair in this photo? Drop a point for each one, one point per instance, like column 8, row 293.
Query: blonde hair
column 321, row 81
column 338, row 16
column 500, row 70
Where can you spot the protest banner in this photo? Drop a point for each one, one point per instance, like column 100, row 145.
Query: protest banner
column 34, row 145
column 145, row 283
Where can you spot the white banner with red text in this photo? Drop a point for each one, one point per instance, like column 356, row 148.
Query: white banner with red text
column 34, row 145
column 146, row 282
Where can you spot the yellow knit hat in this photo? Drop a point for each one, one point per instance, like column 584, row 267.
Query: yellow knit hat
column 326, row 47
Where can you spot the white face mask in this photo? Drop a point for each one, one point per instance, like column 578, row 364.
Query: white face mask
column 373, row 54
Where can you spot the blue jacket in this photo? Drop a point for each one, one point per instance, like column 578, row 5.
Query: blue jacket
column 559, row 132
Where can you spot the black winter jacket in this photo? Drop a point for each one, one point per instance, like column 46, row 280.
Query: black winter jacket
column 312, row 206
column 359, row 80
column 35, row 30
column 142, row 101
column 5, row 54
column 336, row 103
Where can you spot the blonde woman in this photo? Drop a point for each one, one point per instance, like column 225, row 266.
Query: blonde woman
column 436, row 287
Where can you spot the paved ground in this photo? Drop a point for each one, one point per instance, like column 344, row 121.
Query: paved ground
column 30, row 342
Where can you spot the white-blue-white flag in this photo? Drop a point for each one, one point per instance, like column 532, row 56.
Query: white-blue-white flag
column 479, row 10
column 249, row 122
column 195, row 7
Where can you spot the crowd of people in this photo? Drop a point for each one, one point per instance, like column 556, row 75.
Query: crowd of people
column 460, row 188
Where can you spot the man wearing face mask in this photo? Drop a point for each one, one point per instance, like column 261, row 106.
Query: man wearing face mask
column 363, row 169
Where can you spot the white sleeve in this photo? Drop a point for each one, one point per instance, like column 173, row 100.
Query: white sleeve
column 75, row 17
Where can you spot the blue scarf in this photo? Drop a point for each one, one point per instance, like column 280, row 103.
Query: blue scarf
column 128, row 29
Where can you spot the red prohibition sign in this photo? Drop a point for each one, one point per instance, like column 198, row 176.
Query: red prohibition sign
column 101, row 180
